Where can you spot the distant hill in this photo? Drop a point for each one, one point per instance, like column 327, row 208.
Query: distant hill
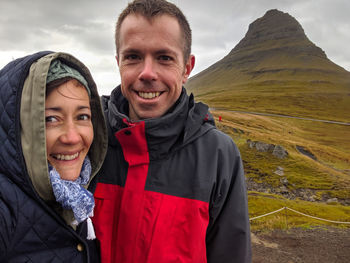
column 275, row 68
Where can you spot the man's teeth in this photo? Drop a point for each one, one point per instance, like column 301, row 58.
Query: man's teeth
column 149, row 95
column 66, row 157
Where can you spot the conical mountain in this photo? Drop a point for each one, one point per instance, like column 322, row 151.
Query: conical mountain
column 275, row 68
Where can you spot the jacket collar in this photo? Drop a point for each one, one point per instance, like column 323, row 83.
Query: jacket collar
column 180, row 125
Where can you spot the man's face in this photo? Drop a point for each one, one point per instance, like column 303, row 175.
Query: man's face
column 151, row 64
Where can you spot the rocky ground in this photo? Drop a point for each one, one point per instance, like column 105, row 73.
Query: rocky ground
column 318, row 245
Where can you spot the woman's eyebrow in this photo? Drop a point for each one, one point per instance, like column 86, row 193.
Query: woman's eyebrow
column 60, row 108
column 54, row 108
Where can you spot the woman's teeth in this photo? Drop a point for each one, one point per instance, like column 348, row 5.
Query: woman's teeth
column 66, row 157
column 149, row 95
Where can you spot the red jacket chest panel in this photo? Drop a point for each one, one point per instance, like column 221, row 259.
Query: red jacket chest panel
column 149, row 226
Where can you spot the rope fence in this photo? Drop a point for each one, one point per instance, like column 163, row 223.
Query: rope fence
column 300, row 213
column 273, row 212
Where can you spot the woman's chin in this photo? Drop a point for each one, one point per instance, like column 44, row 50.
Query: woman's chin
column 70, row 174
column 68, row 170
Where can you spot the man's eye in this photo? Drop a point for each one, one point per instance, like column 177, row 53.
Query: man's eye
column 131, row 57
column 50, row 119
column 165, row 58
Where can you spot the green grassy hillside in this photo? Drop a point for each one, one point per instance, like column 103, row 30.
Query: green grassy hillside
column 281, row 83
column 325, row 176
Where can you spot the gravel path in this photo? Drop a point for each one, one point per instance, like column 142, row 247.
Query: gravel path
column 319, row 245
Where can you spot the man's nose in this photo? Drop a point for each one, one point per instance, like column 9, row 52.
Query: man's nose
column 70, row 134
column 148, row 72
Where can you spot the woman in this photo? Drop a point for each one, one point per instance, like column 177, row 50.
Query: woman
column 54, row 141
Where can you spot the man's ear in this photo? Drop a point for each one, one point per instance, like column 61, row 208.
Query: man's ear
column 188, row 68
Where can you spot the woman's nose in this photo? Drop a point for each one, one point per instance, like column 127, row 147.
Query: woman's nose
column 70, row 134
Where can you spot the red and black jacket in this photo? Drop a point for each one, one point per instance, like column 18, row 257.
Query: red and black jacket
column 172, row 189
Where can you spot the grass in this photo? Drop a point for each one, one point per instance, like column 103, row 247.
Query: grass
column 330, row 143
column 326, row 177
column 320, row 103
column 260, row 204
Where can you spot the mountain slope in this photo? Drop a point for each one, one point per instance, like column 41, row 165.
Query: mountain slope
column 275, row 68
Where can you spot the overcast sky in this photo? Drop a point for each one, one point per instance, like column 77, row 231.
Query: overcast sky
column 85, row 29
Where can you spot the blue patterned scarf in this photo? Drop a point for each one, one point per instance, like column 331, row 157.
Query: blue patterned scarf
column 72, row 195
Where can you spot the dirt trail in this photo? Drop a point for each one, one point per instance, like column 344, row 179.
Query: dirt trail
column 319, row 245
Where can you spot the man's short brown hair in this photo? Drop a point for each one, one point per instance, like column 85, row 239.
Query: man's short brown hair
column 153, row 8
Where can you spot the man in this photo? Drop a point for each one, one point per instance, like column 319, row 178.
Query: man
column 172, row 187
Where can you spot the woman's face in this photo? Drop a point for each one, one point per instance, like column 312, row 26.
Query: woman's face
column 69, row 131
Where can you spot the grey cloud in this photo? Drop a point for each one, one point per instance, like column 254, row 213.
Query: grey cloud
column 86, row 27
column 23, row 22
column 222, row 24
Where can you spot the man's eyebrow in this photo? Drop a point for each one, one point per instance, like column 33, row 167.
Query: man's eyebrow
column 158, row 52
column 165, row 51
column 131, row 50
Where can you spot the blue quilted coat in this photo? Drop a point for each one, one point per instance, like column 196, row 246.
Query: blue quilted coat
column 33, row 227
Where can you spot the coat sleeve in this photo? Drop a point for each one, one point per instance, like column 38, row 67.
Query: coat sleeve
column 228, row 233
column 6, row 217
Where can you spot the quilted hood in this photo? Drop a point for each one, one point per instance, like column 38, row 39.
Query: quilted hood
column 22, row 107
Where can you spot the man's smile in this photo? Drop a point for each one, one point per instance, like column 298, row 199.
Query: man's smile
column 149, row 95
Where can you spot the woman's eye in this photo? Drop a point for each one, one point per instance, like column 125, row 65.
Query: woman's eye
column 84, row 117
column 50, row 119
